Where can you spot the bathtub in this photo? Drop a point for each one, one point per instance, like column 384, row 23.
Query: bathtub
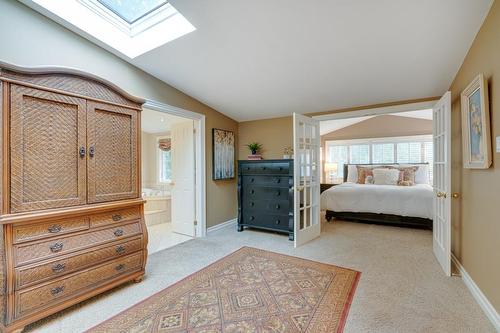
column 157, row 208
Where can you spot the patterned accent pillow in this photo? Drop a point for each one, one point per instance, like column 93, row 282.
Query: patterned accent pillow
column 363, row 172
column 407, row 176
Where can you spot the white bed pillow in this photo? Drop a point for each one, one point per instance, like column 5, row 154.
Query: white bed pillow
column 385, row 176
column 352, row 173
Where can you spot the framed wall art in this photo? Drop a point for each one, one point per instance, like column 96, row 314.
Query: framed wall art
column 476, row 137
column 223, row 143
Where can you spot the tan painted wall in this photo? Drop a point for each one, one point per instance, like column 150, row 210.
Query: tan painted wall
column 381, row 127
column 476, row 221
column 275, row 134
column 41, row 42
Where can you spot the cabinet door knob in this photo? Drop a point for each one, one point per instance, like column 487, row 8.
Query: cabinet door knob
column 58, row 268
column 82, row 151
column 56, row 247
column 118, row 232
column 53, row 229
column 92, row 151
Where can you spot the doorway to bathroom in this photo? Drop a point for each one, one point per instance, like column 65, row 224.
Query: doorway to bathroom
column 171, row 183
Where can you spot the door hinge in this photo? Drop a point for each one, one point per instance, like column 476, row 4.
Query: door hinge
column 195, row 222
column 194, row 130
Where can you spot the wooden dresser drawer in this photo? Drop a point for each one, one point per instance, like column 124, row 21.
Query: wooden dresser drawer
column 29, row 232
column 274, row 181
column 36, row 298
column 268, row 221
column 40, row 250
column 29, row 275
column 121, row 215
column 276, row 207
column 280, row 168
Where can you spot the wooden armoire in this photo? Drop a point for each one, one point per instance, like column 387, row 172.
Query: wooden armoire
column 71, row 213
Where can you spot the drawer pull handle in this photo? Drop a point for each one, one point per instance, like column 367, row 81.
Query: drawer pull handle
column 278, row 193
column 57, row 290
column 277, row 206
column 277, row 221
column 252, row 204
column 56, row 247
column 116, row 217
column 120, row 249
column 54, row 228
column 252, row 191
column 278, row 180
column 263, row 168
column 120, row 267
column 252, row 218
column 252, row 180
column 118, row 232
column 58, row 268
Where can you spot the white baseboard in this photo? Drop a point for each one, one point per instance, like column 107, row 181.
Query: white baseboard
column 222, row 225
column 478, row 295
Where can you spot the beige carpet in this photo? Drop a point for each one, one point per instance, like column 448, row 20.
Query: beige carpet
column 402, row 288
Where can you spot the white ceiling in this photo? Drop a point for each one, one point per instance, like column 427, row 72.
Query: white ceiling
column 327, row 126
column 158, row 122
column 262, row 59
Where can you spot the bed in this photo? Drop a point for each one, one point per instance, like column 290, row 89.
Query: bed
column 409, row 206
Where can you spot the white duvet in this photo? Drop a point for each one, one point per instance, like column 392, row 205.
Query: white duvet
column 414, row 201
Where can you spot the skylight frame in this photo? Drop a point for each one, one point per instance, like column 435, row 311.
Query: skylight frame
column 137, row 19
column 103, row 27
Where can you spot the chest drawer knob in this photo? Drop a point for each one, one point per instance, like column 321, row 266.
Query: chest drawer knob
column 120, row 249
column 56, row 247
column 252, row 191
column 58, row 268
column 54, row 229
column 277, row 221
column 118, row 232
column 252, row 180
column 116, row 217
column 278, row 180
column 252, row 203
column 278, row 193
column 57, row 290
column 277, row 206
column 252, row 218
column 120, row 267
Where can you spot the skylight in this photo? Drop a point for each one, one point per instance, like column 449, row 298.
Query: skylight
column 131, row 11
column 131, row 27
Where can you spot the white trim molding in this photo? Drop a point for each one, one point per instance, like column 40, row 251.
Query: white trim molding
column 216, row 227
column 478, row 295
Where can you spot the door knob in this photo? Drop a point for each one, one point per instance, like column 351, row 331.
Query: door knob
column 455, row 195
column 441, row 194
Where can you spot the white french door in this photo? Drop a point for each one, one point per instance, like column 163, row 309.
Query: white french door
column 306, row 145
column 183, row 178
column 441, row 231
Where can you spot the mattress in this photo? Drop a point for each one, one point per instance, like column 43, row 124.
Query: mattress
column 413, row 201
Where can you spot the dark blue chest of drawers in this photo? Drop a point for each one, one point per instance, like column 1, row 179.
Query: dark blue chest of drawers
column 265, row 195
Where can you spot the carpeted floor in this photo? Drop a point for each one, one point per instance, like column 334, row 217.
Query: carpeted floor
column 402, row 288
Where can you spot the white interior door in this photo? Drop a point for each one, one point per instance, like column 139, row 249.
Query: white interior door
column 442, row 182
column 183, row 178
column 306, row 144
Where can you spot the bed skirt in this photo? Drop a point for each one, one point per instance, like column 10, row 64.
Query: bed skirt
column 384, row 219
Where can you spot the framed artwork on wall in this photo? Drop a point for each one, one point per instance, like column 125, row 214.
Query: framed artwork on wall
column 476, row 137
column 223, row 143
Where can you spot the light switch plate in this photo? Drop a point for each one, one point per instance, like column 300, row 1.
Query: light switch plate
column 498, row 144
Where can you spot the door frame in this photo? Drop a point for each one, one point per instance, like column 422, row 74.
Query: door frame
column 200, row 163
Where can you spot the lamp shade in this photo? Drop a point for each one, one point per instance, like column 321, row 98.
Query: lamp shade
column 331, row 167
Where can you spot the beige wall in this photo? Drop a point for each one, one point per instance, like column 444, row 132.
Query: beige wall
column 381, row 127
column 41, row 42
column 274, row 134
column 476, row 218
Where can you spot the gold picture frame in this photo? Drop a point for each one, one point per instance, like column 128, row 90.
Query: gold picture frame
column 476, row 136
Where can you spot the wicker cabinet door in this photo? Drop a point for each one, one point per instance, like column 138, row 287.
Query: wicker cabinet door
column 112, row 162
column 47, row 131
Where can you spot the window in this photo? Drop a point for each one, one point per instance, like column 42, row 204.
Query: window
column 164, row 160
column 413, row 149
column 132, row 11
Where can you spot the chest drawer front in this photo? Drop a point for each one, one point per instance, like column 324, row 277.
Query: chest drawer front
column 275, row 181
column 270, row 221
column 280, row 168
column 31, row 252
column 29, row 275
column 277, row 207
column 24, row 233
column 264, row 193
column 122, row 215
column 37, row 298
